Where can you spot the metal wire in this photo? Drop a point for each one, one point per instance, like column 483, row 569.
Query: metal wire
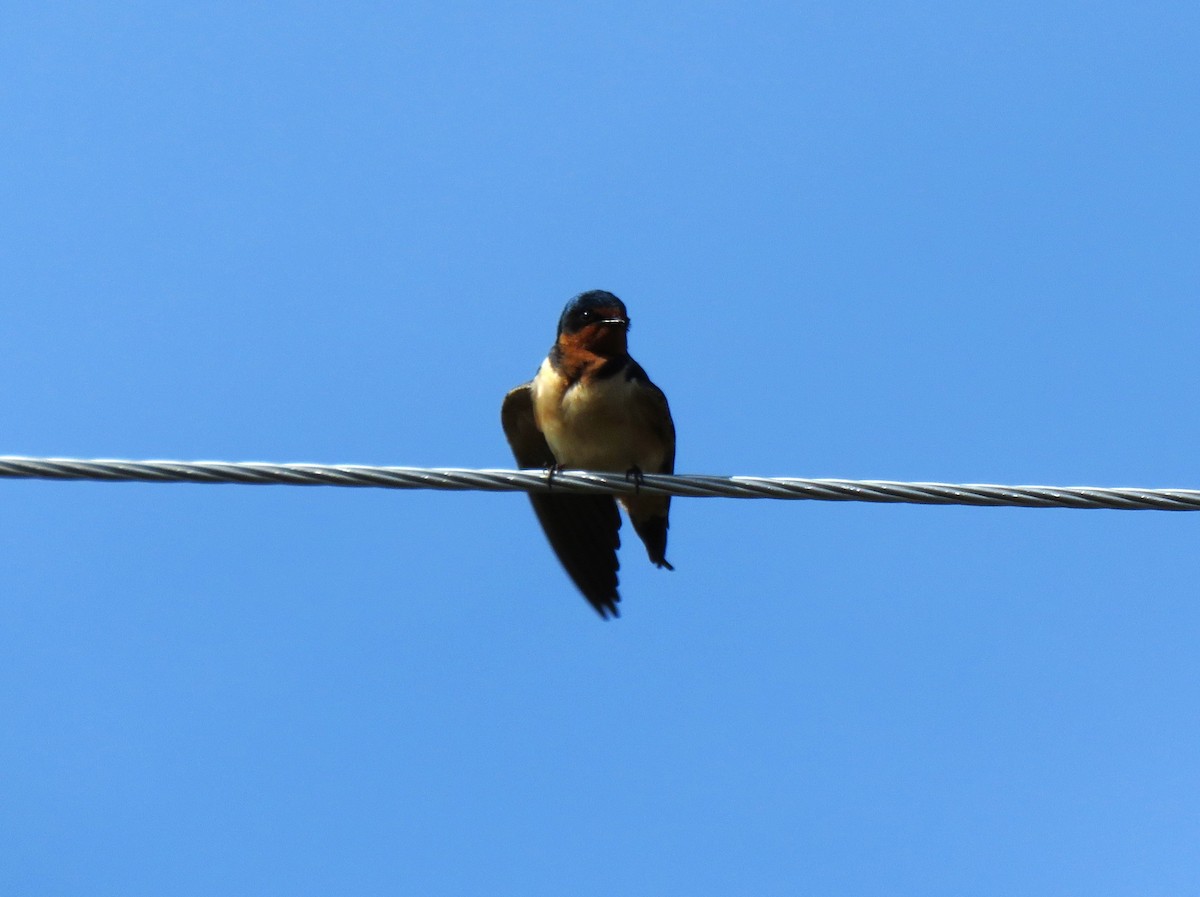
column 260, row 474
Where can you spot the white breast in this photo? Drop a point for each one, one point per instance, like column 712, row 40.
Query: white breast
column 595, row 425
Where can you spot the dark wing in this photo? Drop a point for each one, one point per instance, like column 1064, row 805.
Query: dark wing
column 655, row 413
column 650, row 514
column 582, row 529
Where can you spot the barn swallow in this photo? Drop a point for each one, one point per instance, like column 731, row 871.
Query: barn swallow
column 590, row 406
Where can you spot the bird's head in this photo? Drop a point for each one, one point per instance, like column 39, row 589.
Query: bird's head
column 595, row 321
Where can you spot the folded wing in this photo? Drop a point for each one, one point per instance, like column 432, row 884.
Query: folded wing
column 582, row 529
column 650, row 514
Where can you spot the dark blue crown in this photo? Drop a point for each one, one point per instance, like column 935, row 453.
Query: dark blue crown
column 587, row 306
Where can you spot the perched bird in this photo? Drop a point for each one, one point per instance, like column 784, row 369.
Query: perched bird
column 590, row 406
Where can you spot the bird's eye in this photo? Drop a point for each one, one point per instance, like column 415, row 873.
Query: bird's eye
column 585, row 315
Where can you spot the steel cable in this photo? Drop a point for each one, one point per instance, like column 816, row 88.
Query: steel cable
column 588, row 482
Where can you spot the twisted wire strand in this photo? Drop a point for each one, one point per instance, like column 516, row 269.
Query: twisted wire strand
column 587, row 482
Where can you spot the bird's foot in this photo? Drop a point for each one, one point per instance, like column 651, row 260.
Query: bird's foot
column 635, row 473
column 551, row 470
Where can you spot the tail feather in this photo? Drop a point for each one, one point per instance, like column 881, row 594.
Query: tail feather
column 653, row 532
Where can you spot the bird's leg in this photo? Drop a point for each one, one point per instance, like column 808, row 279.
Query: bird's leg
column 635, row 473
column 551, row 469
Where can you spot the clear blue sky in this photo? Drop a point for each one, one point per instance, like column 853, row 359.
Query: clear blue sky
column 936, row 241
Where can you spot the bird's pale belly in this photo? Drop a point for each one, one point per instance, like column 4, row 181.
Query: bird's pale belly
column 596, row 427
